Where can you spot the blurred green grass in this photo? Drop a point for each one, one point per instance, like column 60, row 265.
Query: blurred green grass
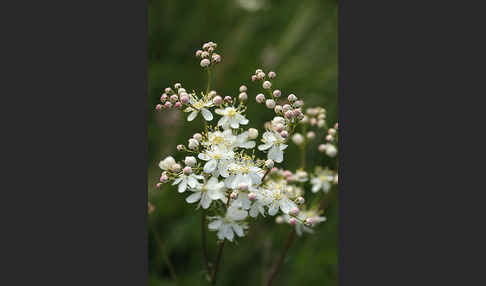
column 298, row 40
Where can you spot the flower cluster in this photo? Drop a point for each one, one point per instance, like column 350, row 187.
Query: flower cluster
column 230, row 172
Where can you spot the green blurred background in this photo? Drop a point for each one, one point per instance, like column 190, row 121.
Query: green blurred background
column 296, row 39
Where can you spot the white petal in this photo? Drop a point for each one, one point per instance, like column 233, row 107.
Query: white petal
column 286, row 205
column 182, row 186
column 207, row 114
column 228, row 232
column 210, row 166
column 194, row 197
column 316, row 188
column 238, row 229
column 273, row 209
column 283, row 146
column 177, row 181
column 192, row 115
column 275, row 154
column 215, row 224
column 264, row 146
column 254, row 210
column 204, row 156
column 192, row 182
column 205, row 201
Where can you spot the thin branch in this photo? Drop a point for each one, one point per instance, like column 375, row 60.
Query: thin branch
column 280, row 260
column 166, row 258
column 216, row 265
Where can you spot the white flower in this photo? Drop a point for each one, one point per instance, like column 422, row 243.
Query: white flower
column 225, row 138
column 300, row 176
column 231, row 118
column 199, row 105
column 252, row 133
column 230, row 224
column 262, row 199
column 243, row 172
column 193, row 144
column 241, row 141
column 190, row 161
column 217, row 160
column 279, row 198
column 167, row 163
column 298, row 138
column 322, row 180
column 275, row 143
column 331, row 151
column 210, row 191
column 299, row 225
column 187, row 180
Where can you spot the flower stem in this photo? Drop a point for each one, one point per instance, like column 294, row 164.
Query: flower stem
column 218, row 259
column 281, row 258
column 209, row 81
column 203, row 237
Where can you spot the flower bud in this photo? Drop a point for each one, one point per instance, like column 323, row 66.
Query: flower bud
column 177, row 85
column 243, row 187
column 286, row 108
column 180, row 147
column 336, row 125
column 204, row 54
column 331, row 131
column 181, row 91
column 298, row 138
column 311, row 135
column 294, row 211
column 253, row 78
column 164, row 178
column 287, row 173
column 297, row 112
column 190, row 161
column 279, row 219
column 298, row 103
column 198, row 53
column 206, row 46
column 173, row 98
column 260, row 75
column 267, row 84
column 168, row 104
column 158, row 185
column 197, row 136
column 212, row 93
column 163, row 97
column 252, row 133
column 279, row 127
column 269, row 164
column 289, row 114
column 177, row 104
column 308, row 221
column 276, row 93
column 321, row 123
column 187, row 170
column 217, row 100
column 292, row 221
column 284, row 134
column 272, row 74
column 228, row 99
column 210, row 49
column 216, row 58
column 270, row 103
column 260, row 98
column 313, row 121
column 322, row 148
column 331, row 151
column 158, row 107
column 184, row 99
column 205, row 63
column 243, row 96
column 243, row 88
column 176, row 167
column 300, row 200
column 292, row 97
column 329, row 138
column 168, row 90
column 234, row 195
column 252, row 196
column 193, row 144
column 278, row 108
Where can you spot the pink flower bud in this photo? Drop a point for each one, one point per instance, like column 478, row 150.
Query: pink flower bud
column 274, row 170
column 216, row 58
column 276, row 93
column 177, row 104
column 298, row 103
column 233, row 195
column 311, row 135
column 253, row 78
column 322, row 147
column 278, row 108
column 176, row 167
column 278, row 127
column 260, row 98
column 177, row 85
column 164, row 178
column 184, row 99
column 292, row 97
column 173, row 98
column 331, row 131
column 284, row 134
column 212, row 93
column 243, row 96
column 313, row 121
column 204, row 55
column 294, row 211
column 206, row 46
column 243, row 187
column 198, row 53
column 287, row 173
column 163, row 97
column 180, row 147
column 243, row 88
column 252, row 196
column 292, row 221
column 228, row 99
column 168, row 104
column 197, row 136
column 168, row 90
column 158, row 107
column 336, row 125
column 158, row 185
column 297, row 112
column 187, row 170
column 272, row 74
column 270, row 103
column 289, row 114
column 205, row 63
column 217, row 100
column 329, row 138
column 260, row 75
column 267, row 84
column 210, row 49
column 308, row 221
column 269, row 164
column 286, row 108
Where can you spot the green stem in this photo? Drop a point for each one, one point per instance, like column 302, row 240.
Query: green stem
column 209, row 81
column 281, row 258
